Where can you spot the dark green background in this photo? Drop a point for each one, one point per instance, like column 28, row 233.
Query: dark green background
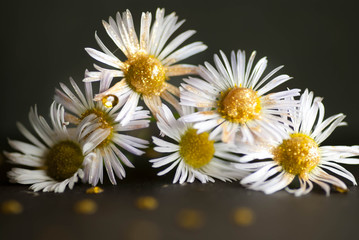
column 43, row 43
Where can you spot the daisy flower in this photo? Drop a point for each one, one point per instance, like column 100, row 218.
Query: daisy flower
column 56, row 156
column 233, row 98
column 81, row 105
column 296, row 152
column 149, row 60
column 196, row 155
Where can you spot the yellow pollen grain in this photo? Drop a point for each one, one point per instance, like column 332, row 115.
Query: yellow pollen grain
column 85, row 206
column 94, row 190
column 63, row 160
column 243, row 216
column 146, row 203
column 297, row 155
column 11, row 207
column 196, row 149
column 145, row 74
column 239, row 105
column 109, row 101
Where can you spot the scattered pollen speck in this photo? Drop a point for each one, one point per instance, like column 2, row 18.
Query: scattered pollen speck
column 85, row 206
column 94, row 190
column 243, row 216
column 341, row 190
column 11, row 207
column 190, row 219
column 147, row 203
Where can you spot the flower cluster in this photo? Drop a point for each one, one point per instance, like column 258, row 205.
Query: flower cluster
column 231, row 125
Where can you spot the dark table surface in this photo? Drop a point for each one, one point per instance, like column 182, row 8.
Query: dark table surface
column 277, row 216
column 317, row 41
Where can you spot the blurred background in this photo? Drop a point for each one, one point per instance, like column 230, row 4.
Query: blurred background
column 43, row 44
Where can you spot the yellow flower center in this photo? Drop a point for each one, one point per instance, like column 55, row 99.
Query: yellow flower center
column 196, row 149
column 63, row 160
column 106, row 122
column 239, row 105
column 297, row 155
column 145, row 74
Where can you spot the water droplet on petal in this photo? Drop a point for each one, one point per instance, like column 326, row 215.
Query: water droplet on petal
column 109, row 101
